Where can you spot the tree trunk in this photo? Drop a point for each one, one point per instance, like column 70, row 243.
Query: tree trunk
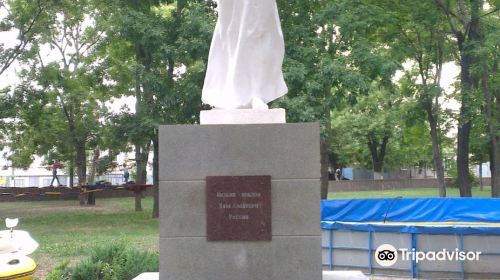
column 481, row 176
column 71, row 173
column 495, row 145
column 334, row 163
column 467, row 40
column 494, row 167
column 81, row 163
column 92, row 175
column 93, row 166
column 492, row 111
column 378, row 171
column 325, row 154
column 324, row 169
column 463, row 176
column 138, row 201
column 141, row 161
column 464, row 126
column 467, row 59
column 81, row 170
column 377, row 155
column 495, row 155
column 156, row 175
column 91, row 198
column 436, row 150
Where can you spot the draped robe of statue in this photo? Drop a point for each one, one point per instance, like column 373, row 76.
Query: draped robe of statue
column 246, row 55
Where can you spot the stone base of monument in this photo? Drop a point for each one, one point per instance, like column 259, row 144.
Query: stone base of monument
column 327, row 275
column 148, row 276
column 256, row 185
column 344, row 275
column 242, row 116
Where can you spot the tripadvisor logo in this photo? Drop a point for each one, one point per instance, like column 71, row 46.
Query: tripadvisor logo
column 386, row 255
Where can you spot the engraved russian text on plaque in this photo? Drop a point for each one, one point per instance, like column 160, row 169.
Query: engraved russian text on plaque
column 238, row 208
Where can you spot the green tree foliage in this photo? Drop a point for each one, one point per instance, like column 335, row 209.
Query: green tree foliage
column 6, row 113
column 376, row 130
column 464, row 21
column 486, row 71
column 329, row 57
column 420, row 36
column 61, row 100
column 22, row 21
column 165, row 47
column 342, row 59
column 25, row 18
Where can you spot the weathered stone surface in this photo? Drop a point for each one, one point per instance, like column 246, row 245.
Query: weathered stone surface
column 290, row 258
column 289, row 153
column 283, row 151
column 295, row 208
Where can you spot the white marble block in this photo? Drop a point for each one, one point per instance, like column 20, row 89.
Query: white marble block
column 148, row 276
column 344, row 275
column 242, row 116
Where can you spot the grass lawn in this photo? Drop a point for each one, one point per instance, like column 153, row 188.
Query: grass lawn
column 421, row 192
column 67, row 231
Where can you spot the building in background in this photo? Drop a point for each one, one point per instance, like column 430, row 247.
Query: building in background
column 32, row 177
column 41, row 177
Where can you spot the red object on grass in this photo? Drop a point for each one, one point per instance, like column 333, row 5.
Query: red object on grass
column 136, row 187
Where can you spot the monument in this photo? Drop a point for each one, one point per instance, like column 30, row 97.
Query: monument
column 246, row 54
column 244, row 65
column 239, row 194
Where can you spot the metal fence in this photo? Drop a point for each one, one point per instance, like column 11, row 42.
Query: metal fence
column 355, row 250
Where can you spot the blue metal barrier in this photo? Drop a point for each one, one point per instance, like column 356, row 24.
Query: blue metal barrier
column 412, row 271
column 383, row 219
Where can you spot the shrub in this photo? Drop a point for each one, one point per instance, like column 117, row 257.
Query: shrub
column 112, row 262
column 59, row 273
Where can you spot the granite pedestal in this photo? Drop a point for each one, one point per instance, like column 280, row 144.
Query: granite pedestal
column 289, row 153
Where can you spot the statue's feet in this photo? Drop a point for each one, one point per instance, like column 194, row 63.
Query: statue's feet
column 258, row 104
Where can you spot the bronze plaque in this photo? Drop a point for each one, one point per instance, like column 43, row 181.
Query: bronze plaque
column 238, row 208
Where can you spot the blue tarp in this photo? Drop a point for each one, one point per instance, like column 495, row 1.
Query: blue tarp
column 465, row 230
column 412, row 210
column 366, row 213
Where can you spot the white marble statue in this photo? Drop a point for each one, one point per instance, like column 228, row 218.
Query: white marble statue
column 246, row 55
